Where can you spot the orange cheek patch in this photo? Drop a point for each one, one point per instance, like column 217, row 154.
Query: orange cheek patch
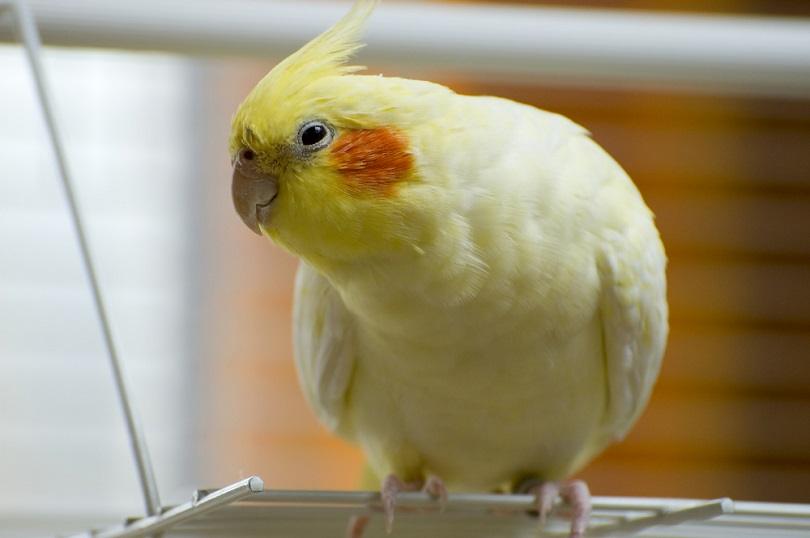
column 372, row 160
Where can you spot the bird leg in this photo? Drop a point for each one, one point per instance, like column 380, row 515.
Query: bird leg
column 573, row 492
column 392, row 486
column 436, row 489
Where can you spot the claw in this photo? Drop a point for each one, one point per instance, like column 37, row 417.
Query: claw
column 574, row 492
column 545, row 495
column 391, row 487
column 436, row 489
column 577, row 495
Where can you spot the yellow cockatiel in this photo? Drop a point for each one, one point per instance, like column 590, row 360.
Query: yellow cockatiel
column 481, row 298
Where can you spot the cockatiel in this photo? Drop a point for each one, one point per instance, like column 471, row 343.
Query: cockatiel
column 481, row 302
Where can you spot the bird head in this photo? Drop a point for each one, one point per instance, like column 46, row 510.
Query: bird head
column 325, row 161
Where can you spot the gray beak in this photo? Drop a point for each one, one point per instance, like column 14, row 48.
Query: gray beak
column 252, row 196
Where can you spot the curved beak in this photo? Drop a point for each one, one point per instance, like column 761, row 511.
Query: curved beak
column 252, row 197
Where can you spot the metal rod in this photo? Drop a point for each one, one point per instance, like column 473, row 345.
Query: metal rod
column 699, row 512
column 247, row 510
column 32, row 45
column 724, row 54
column 368, row 499
column 751, row 508
column 163, row 522
column 499, row 501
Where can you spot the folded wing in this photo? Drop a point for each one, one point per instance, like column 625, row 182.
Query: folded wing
column 324, row 345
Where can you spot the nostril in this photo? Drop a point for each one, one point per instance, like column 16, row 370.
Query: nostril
column 247, row 154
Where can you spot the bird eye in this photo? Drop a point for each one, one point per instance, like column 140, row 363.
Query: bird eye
column 247, row 154
column 314, row 135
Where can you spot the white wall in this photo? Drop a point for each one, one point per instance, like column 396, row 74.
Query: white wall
column 64, row 457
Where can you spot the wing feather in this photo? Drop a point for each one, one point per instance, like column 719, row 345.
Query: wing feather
column 323, row 337
column 634, row 319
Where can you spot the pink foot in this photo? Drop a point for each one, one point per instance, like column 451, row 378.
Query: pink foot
column 436, row 489
column 573, row 492
column 392, row 486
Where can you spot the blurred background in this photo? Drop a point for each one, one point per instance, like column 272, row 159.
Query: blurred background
column 200, row 307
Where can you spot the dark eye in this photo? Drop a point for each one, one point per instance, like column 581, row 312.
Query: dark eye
column 314, row 135
column 247, row 154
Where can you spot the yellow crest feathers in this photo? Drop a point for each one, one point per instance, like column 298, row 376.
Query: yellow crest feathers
column 326, row 55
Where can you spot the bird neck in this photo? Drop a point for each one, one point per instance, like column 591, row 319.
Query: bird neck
column 408, row 288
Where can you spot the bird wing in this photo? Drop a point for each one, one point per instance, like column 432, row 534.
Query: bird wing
column 633, row 312
column 323, row 337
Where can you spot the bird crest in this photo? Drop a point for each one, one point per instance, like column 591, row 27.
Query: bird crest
column 327, row 55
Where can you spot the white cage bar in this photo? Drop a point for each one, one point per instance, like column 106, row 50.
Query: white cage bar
column 245, row 509
column 724, row 54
